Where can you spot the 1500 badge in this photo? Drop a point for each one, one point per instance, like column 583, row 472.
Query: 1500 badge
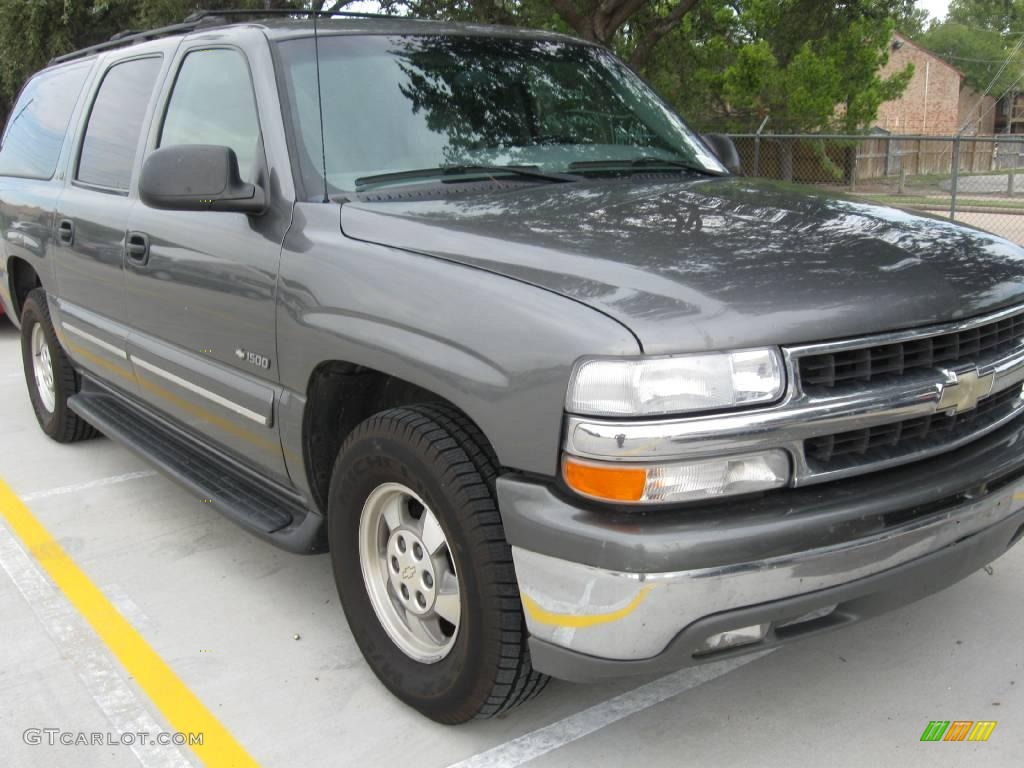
column 260, row 361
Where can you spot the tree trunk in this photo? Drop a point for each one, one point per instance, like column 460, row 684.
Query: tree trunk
column 601, row 20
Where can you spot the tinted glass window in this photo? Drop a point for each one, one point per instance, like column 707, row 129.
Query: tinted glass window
column 35, row 130
column 115, row 124
column 401, row 104
column 213, row 103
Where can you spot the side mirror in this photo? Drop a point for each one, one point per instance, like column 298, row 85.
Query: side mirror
column 724, row 149
column 198, row 177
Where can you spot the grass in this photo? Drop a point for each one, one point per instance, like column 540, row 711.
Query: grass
column 940, row 202
column 934, row 178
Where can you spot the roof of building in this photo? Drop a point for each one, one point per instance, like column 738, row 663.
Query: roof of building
column 906, row 40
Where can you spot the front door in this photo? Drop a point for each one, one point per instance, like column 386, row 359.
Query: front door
column 92, row 214
column 201, row 286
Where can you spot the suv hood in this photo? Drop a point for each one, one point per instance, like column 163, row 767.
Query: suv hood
column 712, row 263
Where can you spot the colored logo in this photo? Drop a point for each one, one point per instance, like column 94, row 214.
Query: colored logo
column 958, row 730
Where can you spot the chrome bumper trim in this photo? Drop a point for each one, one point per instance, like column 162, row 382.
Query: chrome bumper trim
column 630, row 616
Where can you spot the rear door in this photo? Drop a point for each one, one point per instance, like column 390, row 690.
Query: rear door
column 201, row 301
column 34, row 142
column 92, row 215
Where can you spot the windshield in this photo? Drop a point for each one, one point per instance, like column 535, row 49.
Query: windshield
column 398, row 104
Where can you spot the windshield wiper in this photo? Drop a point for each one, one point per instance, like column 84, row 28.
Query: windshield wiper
column 639, row 162
column 483, row 171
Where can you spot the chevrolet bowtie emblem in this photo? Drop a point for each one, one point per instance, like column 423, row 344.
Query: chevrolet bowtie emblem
column 963, row 389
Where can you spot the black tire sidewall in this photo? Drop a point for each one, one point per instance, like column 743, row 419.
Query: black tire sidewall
column 454, row 688
column 36, row 312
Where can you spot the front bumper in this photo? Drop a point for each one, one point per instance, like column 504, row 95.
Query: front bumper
column 609, row 593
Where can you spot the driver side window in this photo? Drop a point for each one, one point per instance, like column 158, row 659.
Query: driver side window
column 213, row 103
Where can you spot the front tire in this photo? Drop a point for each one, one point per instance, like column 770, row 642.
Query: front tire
column 48, row 373
column 422, row 566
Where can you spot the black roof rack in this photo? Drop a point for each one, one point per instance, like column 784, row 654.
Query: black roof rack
column 201, row 19
column 199, row 15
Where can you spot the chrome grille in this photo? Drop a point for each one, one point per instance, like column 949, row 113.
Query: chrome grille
column 920, row 393
column 907, row 436
column 834, row 369
column 895, row 398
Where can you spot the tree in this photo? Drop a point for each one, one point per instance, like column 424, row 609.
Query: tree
column 806, row 64
column 803, row 64
column 632, row 27
column 910, row 20
column 979, row 53
column 34, row 31
column 1005, row 17
column 980, row 38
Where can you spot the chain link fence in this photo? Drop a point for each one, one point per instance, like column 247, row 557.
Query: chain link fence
column 975, row 180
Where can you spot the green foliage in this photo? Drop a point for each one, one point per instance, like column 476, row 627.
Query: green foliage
column 1005, row 17
column 805, row 64
column 910, row 20
column 978, row 53
column 34, row 31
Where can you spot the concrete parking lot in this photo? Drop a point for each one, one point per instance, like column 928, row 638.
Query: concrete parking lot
column 259, row 639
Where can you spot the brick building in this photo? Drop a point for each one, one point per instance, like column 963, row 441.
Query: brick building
column 1010, row 114
column 980, row 115
column 936, row 101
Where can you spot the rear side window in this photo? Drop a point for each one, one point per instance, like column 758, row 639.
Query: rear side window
column 35, row 130
column 213, row 103
column 115, row 124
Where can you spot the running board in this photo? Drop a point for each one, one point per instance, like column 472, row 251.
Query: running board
column 260, row 506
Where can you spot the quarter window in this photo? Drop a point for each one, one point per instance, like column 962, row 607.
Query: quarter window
column 35, row 130
column 213, row 103
column 115, row 124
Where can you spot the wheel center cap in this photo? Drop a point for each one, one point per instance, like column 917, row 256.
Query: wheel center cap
column 411, row 572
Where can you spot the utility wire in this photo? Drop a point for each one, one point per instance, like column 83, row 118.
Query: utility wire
column 1005, row 64
column 967, row 58
column 994, row 103
column 991, row 85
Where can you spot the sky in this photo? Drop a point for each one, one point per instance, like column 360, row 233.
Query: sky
column 937, row 8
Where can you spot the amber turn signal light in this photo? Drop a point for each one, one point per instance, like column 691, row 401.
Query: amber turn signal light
column 605, row 481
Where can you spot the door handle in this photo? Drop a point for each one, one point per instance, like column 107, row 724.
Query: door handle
column 66, row 231
column 137, row 247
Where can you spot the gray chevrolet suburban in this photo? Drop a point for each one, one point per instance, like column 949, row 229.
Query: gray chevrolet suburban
column 473, row 309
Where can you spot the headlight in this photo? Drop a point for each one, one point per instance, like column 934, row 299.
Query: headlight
column 677, row 384
column 694, row 480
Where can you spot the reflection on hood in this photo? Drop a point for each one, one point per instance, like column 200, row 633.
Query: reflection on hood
column 713, row 263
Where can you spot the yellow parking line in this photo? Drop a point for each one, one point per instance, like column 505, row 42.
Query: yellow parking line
column 183, row 710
